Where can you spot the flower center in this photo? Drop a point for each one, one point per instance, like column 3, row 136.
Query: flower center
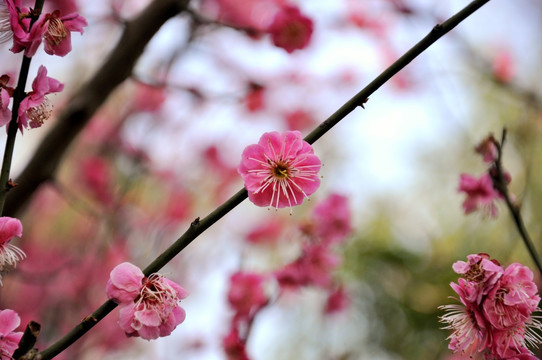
column 475, row 273
column 38, row 114
column 158, row 295
column 281, row 170
column 56, row 31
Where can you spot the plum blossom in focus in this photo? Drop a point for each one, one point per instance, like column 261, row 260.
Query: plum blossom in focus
column 6, row 92
column 35, row 107
column 280, row 170
column 149, row 306
column 54, row 29
column 9, row 339
column 495, row 315
column 58, row 34
column 25, row 37
column 10, row 255
column 290, row 29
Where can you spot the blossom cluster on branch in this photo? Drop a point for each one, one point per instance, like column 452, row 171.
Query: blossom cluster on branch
column 495, row 317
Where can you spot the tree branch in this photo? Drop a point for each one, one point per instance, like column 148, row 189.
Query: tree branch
column 84, row 103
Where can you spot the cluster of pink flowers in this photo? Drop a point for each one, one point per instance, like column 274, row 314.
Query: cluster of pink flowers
column 28, row 31
column 287, row 26
column 481, row 192
column 280, row 170
column 149, row 306
column 55, row 30
column 328, row 226
column 9, row 338
column 494, row 318
column 10, row 255
column 246, row 297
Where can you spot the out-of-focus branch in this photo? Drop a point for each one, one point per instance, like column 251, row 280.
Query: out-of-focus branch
column 84, row 103
column 198, row 226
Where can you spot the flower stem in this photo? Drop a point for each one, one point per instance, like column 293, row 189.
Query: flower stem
column 13, row 126
column 12, row 131
column 500, row 183
column 199, row 226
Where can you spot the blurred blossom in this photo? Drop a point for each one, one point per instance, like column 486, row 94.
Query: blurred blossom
column 337, row 300
column 267, row 232
column 149, row 306
column 488, row 149
column 234, row 346
column 290, row 29
column 504, row 66
column 313, row 268
column 480, row 194
column 246, row 294
column 331, row 218
column 281, row 170
column 148, row 98
column 255, row 98
column 10, row 255
column 299, row 120
column 9, row 339
column 96, row 176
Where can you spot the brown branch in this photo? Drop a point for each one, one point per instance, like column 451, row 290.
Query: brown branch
column 86, row 101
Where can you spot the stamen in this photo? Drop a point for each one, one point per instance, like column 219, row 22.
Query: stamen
column 39, row 114
column 56, row 31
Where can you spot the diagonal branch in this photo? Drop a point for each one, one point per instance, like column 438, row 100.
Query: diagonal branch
column 84, row 103
column 199, row 226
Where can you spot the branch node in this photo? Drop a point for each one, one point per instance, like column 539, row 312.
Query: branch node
column 437, row 29
column 25, row 350
column 195, row 222
column 362, row 104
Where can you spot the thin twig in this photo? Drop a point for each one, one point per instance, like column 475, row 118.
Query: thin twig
column 500, row 182
column 13, row 126
column 199, row 226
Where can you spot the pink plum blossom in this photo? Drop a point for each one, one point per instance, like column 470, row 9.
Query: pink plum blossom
column 10, row 255
column 337, row 300
column 488, row 149
column 495, row 314
column 35, row 108
column 280, row 170
column 480, row 194
column 246, row 294
column 58, row 34
column 268, row 232
column 96, row 175
column 313, row 267
column 331, row 219
column 290, row 29
column 9, row 339
column 299, row 119
column 234, row 346
column 25, row 37
column 5, row 112
column 149, row 306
